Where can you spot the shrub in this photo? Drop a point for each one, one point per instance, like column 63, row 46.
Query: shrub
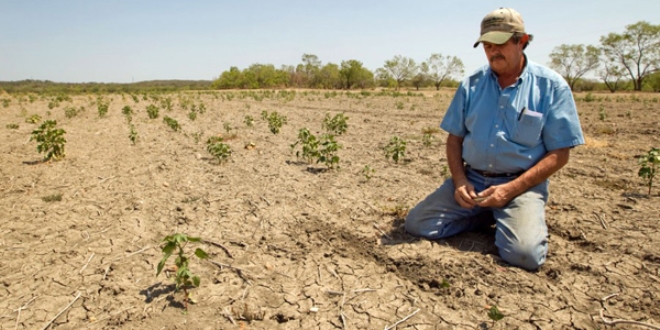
column 395, row 149
column 152, row 111
column 217, row 149
column 133, row 135
column 33, row 119
column 335, row 125
column 102, row 106
column 249, row 121
column 649, row 164
column 12, row 126
column 172, row 123
column 275, row 122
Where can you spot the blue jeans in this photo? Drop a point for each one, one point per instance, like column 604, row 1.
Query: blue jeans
column 521, row 232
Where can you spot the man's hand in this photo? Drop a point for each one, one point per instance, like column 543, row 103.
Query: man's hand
column 496, row 196
column 464, row 194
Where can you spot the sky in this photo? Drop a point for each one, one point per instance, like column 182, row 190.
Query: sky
column 127, row 41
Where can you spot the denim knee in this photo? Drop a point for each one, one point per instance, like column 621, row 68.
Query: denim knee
column 528, row 257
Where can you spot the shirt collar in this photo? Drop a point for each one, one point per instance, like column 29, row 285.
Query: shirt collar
column 523, row 73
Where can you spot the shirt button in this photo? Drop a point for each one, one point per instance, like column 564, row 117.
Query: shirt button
column 501, row 107
column 490, row 165
column 492, row 145
column 496, row 126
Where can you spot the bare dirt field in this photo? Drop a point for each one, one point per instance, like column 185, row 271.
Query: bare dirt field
column 300, row 247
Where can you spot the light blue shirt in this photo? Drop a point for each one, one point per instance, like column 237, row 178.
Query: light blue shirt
column 509, row 130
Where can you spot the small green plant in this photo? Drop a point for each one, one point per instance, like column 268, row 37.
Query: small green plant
column 172, row 123
column 249, row 121
column 395, row 149
column 52, row 198
column 217, row 149
column 649, row 165
column 50, row 140
column 166, row 103
column 5, row 102
column 102, row 106
column 444, row 171
column 227, row 127
column 192, row 115
column 427, row 140
column 152, row 111
column 183, row 278
column 328, row 151
column 12, row 126
column 33, row 119
column 133, row 135
column 70, row 112
column 275, row 122
column 128, row 113
column 601, row 113
column 399, row 105
column 495, row 314
column 589, row 97
column 264, row 115
column 197, row 136
column 368, row 172
column 309, row 144
column 335, row 125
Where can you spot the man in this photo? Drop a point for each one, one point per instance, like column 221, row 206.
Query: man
column 511, row 126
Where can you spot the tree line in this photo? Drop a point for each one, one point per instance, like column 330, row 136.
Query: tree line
column 631, row 57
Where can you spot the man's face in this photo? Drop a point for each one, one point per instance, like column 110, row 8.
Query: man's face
column 505, row 58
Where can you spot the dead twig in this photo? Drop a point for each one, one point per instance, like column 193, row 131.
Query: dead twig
column 402, row 320
column 228, row 315
column 62, row 311
column 220, row 246
column 601, row 219
column 87, row 263
column 620, row 321
column 382, row 232
column 18, row 317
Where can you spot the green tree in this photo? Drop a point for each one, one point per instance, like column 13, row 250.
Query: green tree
column 312, row 69
column 351, row 72
column 442, row 68
column 637, row 50
column 611, row 74
column 229, row 79
column 330, row 77
column 421, row 76
column 574, row 61
column 401, row 69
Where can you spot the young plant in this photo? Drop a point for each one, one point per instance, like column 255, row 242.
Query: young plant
column 183, row 278
column 152, row 111
column 275, row 122
column 249, row 121
column 50, row 140
column 335, row 125
column 264, row 115
column 309, row 144
column 217, row 149
column 395, row 149
column 649, row 165
column 427, row 140
column 133, row 135
column 128, row 112
column 328, row 151
column 227, row 127
column 102, row 106
column 70, row 112
column 172, row 123
column 368, row 172
column 495, row 314
column 33, row 119
column 12, row 126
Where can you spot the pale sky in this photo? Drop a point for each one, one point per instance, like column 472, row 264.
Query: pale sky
column 137, row 40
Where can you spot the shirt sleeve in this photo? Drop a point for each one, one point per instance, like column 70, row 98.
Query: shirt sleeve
column 562, row 127
column 454, row 120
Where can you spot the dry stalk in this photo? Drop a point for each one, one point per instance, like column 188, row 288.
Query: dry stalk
column 62, row 311
column 18, row 317
column 620, row 321
column 402, row 320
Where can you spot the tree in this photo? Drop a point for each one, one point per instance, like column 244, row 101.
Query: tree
column 637, row 50
column 421, row 76
column 401, row 69
column 311, row 67
column 330, row 77
column 611, row 75
column 229, row 79
column 574, row 61
column 350, row 73
column 442, row 68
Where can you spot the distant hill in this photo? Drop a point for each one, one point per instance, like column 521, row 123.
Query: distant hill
column 50, row 87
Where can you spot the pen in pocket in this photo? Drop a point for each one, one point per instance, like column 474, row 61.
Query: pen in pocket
column 521, row 113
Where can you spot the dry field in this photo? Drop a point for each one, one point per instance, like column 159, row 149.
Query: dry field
column 299, row 247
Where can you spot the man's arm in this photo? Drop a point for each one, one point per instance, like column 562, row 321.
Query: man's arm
column 464, row 191
column 499, row 195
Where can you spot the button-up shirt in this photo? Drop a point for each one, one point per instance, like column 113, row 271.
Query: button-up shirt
column 508, row 130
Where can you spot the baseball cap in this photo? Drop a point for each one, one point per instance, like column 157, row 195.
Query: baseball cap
column 499, row 25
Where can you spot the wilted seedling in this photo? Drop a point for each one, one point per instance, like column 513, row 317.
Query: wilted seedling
column 183, row 278
column 133, row 135
column 52, row 198
column 172, row 123
column 649, row 164
column 33, row 119
column 227, row 127
column 495, row 314
column 249, row 121
column 427, row 140
column 368, row 172
column 50, row 140
column 395, row 149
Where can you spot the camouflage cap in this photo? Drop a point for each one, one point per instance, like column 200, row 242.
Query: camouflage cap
column 499, row 25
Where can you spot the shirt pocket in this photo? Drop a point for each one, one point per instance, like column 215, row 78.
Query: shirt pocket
column 528, row 131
